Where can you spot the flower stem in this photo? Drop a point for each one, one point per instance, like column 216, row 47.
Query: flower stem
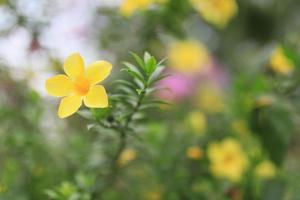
column 122, row 145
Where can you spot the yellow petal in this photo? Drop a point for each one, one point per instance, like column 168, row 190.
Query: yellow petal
column 69, row 105
column 96, row 97
column 58, row 86
column 98, row 71
column 74, row 65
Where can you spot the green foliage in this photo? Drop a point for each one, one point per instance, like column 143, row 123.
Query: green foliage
column 43, row 157
column 274, row 126
column 133, row 96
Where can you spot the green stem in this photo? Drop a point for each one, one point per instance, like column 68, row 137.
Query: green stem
column 122, row 130
column 122, row 145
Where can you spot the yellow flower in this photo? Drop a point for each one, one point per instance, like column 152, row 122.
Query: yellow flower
column 265, row 169
column 128, row 7
column 188, row 56
column 211, row 99
column 153, row 195
column 280, row 63
column 2, row 188
column 194, row 153
column 79, row 85
column 264, row 100
column 197, row 121
column 126, row 156
column 217, row 12
column 227, row 159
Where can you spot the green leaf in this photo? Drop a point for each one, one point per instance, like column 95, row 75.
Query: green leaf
column 150, row 66
column 157, row 77
column 129, row 84
column 51, row 194
column 126, row 90
column 100, row 113
column 154, row 104
column 141, row 85
column 291, row 54
column 121, row 96
column 134, row 74
column 147, row 56
column 138, row 60
column 133, row 68
column 273, row 125
column 160, row 63
column 156, row 89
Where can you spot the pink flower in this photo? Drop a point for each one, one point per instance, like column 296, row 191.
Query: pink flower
column 176, row 87
column 179, row 86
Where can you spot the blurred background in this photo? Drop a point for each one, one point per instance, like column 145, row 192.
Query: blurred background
column 232, row 131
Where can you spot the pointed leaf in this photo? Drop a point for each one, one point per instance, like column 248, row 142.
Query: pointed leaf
column 138, row 60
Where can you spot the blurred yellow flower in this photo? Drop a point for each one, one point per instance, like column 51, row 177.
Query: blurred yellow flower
column 79, row 85
column 280, row 63
column 264, row 100
column 188, row 56
column 265, row 169
column 227, row 159
column 197, row 121
column 126, row 156
column 128, row 7
column 217, row 12
column 194, row 153
column 153, row 195
column 2, row 188
column 211, row 99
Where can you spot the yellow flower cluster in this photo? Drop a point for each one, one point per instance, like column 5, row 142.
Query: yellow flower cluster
column 2, row 188
column 263, row 101
column 153, row 195
column 227, row 159
column 197, row 121
column 129, row 7
column 188, row 56
column 126, row 156
column 194, row 153
column 217, row 12
column 265, row 169
column 280, row 63
column 211, row 99
column 79, row 85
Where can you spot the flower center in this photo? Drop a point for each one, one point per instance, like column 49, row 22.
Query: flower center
column 81, row 86
column 229, row 158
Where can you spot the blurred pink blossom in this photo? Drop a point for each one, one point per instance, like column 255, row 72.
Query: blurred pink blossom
column 179, row 86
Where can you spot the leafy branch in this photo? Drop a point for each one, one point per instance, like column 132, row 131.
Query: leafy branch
column 128, row 103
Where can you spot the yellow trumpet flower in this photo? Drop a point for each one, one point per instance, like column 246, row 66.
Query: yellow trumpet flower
column 280, row 63
column 128, row 7
column 188, row 56
column 79, row 84
column 126, row 156
column 228, row 160
column 216, row 12
column 265, row 169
